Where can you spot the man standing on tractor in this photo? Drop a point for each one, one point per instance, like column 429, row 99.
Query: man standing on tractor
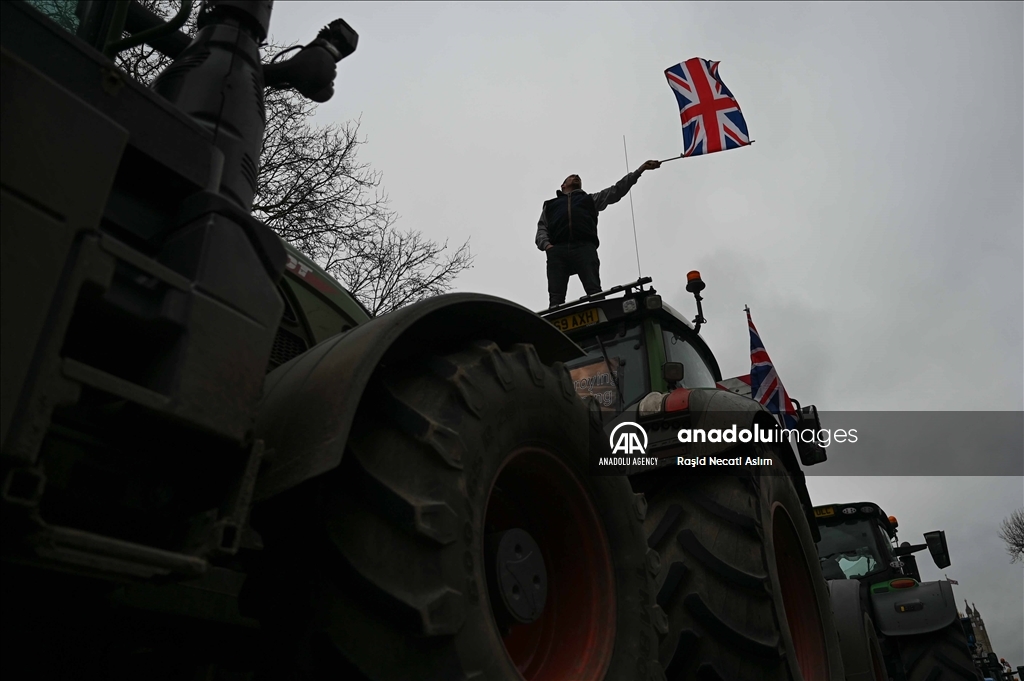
column 567, row 232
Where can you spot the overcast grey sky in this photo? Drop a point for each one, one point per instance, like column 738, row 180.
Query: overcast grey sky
column 875, row 228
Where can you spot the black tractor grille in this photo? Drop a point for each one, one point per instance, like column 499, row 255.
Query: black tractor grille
column 286, row 346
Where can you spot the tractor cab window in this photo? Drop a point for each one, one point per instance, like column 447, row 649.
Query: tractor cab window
column 887, row 550
column 696, row 372
column 626, row 368
column 62, row 12
column 885, row 544
column 853, row 546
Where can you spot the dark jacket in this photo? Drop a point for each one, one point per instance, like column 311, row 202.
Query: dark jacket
column 572, row 217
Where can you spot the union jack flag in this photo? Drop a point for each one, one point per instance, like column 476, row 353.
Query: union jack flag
column 712, row 120
column 765, row 386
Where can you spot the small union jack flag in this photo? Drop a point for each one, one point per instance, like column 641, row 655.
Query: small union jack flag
column 712, row 120
column 765, row 386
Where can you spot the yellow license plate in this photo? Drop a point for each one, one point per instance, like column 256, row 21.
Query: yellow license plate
column 824, row 512
column 577, row 320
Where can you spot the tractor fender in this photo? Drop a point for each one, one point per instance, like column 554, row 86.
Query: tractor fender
column 857, row 640
column 922, row 609
column 711, row 408
column 309, row 403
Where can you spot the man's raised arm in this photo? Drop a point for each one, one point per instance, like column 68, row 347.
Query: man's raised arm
column 613, row 194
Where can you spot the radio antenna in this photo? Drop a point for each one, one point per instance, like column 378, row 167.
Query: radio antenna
column 635, row 245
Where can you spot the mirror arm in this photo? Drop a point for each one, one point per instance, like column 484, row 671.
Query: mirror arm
column 907, row 550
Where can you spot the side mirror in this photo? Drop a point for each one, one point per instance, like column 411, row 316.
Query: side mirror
column 811, row 453
column 937, row 547
column 672, row 372
column 808, row 417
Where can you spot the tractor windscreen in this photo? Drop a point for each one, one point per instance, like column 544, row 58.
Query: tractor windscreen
column 696, row 373
column 853, row 546
column 626, row 367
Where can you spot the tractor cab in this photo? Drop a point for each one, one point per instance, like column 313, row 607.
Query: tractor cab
column 645, row 361
column 858, row 541
column 636, row 344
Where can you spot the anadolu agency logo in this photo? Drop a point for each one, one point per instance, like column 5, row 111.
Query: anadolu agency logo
column 628, row 438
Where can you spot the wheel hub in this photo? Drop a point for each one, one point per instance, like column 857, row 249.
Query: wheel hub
column 562, row 625
column 520, row 573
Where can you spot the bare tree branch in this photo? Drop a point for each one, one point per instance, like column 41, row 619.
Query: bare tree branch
column 393, row 268
column 60, row 11
column 1011, row 531
column 316, row 194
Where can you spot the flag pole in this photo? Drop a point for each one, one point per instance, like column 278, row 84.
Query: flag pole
column 681, row 155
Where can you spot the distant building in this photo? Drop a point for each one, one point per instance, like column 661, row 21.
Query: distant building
column 980, row 632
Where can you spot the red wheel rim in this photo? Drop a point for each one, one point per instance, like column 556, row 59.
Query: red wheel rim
column 574, row 636
column 799, row 598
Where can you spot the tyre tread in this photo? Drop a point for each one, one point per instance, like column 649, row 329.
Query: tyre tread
column 714, row 584
column 665, row 525
column 689, row 542
column 938, row 655
column 727, row 514
column 740, row 640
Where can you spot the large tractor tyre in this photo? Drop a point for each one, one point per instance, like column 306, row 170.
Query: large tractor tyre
column 863, row 659
column 740, row 580
column 942, row 655
column 462, row 537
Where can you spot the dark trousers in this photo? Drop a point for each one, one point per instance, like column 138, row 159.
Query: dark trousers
column 565, row 260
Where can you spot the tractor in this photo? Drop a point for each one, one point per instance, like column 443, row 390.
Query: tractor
column 215, row 463
column 891, row 624
column 732, row 548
